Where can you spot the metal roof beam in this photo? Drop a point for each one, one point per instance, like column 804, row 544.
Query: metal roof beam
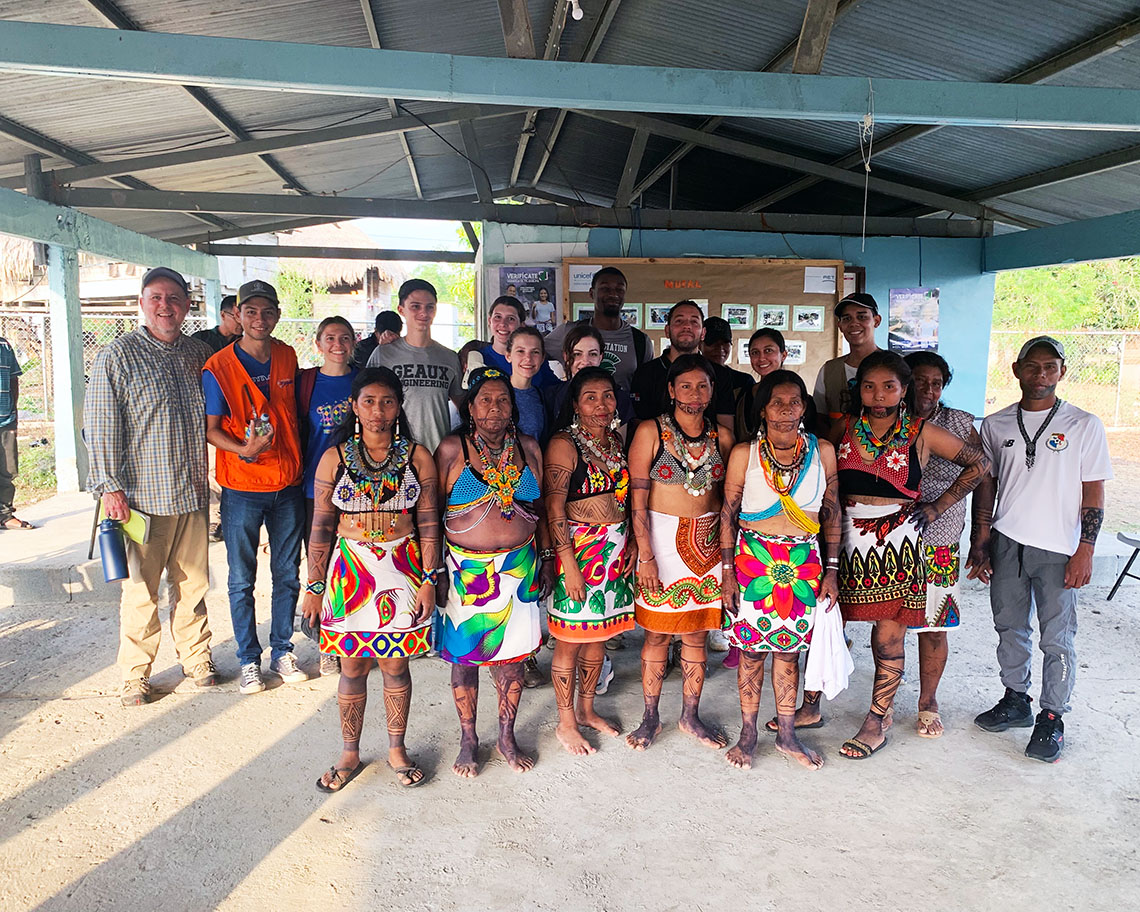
column 76, row 51
column 116, row 18
column 1109, row 42
column 23, row 216
column 1074, row 242
column 549, row 52
column 819, row 17
column 472, row 237
column 464, row 209
column 479, row 176
column 1097, row 164
column 517, row 34
column 605, row 20
column 291, row 252
column 206, row 237
column 302, row 139
column 632, row 166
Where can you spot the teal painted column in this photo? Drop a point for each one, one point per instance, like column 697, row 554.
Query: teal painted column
column 67, row 368
column 213, row 302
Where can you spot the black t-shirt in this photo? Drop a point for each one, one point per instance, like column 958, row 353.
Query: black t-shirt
column 650, row 392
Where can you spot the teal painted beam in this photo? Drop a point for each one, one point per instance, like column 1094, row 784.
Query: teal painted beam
column 26, row 217
column 76, row 51
column 67, row 368
column 1102, row 238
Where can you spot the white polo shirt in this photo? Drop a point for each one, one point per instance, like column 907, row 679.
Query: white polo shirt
column 1041, row 506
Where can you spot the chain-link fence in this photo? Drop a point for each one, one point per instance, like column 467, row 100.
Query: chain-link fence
column 1103, row 373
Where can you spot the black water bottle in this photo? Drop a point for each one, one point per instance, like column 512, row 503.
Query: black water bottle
column 113, row 551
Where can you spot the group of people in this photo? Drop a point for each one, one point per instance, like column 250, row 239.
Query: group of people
column 667, row 493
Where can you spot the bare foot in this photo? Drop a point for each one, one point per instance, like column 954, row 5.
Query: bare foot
column 741, row 755
column 571, row 739
column 645, row 734
column 516, row 759
column 592, row 720
column 871, row 734
column 795, row 749
column 467, row 763
column 709, row 737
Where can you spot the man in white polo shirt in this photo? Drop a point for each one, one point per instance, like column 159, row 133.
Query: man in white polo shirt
column 1049, row 462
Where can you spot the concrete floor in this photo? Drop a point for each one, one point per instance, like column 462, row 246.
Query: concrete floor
column 206, row 800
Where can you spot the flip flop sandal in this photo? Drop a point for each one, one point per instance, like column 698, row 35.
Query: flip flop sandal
column 21, row 525
column 401, row 771
column 865, row 750
column 772, row 727
column 925, row 720
column 341, row 775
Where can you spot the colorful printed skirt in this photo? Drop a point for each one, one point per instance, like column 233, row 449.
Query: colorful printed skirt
column 608, row 609
column 491, row 615
column 779, row 577
column 369, row 601
column 882, row 574
column 687, row 550
column 943, row 565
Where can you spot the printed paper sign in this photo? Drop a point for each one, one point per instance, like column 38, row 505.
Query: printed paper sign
column 581, row 275
column 819, row 280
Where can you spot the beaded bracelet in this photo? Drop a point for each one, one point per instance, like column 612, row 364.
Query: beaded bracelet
column 315, row 587
column 546, row 554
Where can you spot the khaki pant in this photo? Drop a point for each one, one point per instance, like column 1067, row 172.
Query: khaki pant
column 177, row 544
column 215, row 488
column 9, row 465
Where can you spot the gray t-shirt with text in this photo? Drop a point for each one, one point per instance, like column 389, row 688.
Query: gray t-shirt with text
column 430, row 376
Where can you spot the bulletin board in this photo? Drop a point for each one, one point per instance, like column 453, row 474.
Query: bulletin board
column 797, row 297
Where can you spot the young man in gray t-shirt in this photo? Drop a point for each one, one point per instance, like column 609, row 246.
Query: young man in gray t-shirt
column 429, row 371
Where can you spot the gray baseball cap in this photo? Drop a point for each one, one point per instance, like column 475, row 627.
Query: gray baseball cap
column 1048, row 341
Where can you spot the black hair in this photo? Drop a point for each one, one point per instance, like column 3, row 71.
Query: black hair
column 679, row 304
column 767, row 386
column 389, row 321
column 580, row 379
column 229, row 302
column 478, row 379
column 892, row 361
column 717, row 330
column 930, row 359
column 682, row 364
column 511, row 301
column 767, row 332
column 370, row 376
column 416, row 285
column 607, row 271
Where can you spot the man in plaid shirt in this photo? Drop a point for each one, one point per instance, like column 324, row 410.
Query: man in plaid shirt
column 9, row 463
column 145, row 428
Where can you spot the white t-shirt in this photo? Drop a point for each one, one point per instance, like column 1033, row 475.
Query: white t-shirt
column 819, row 393
column 1042, row 507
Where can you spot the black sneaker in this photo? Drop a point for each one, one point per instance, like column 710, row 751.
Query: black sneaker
column 1047, row 739
column 1011, row 711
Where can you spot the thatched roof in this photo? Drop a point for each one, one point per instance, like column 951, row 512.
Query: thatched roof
column 335, row 272
column 15, row 265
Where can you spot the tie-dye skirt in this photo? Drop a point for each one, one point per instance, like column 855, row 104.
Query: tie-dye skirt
column 608, row 609
column 492, row 614
column 779, row 578
column 687, row 550
column 369, row 601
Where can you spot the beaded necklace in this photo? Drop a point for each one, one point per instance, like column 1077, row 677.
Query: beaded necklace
column 698, row 477
column 899, row 434
column 373, row 482
column 501, row 478
column 610, row 457
column 782, row 477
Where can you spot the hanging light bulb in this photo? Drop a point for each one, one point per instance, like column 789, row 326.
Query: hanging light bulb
column 576, row 10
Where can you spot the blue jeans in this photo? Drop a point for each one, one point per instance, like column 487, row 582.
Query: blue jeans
column 283, row 513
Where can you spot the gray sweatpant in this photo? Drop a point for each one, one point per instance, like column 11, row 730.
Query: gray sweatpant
column 1027, row 578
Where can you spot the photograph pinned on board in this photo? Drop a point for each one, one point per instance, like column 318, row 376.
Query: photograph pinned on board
column 807, row 318
column 631, row 313
column 584, row 310
column 738, row 316
column 772, row 316
column 913, row 322
column 742, row 353
column 797, row 351
column 657, row 315
column 703, row 304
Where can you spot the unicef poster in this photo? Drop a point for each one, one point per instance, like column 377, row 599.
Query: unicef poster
column 535, row 286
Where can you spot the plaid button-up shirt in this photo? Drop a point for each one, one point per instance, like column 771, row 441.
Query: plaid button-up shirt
column 145, row 423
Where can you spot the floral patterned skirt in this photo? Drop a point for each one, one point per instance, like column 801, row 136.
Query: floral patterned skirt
column 608, row 609
column 370, row 601
column 687, row 549
column 491, row 615
column 779, row 577
column 943, row 566
column 882, row 573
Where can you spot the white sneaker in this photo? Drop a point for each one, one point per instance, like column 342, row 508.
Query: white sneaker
column 251, row 681
column 606, row 676
column 286, row 667
column 718, row 641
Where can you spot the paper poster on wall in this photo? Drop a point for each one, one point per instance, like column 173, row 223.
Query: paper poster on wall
column 807, row 318
column 703, row 304
column 850, row 281
column 772, row 316
column 535, row 286
column 631, row 313
column 797, row 351
column 819, row 280
column 742, row 354
column 584, row 311
column 737, row 316
column 913, row 322
column 657, row 315
column 582, row 275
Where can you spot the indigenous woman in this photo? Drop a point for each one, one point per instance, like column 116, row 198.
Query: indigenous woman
column 525, row 354
column 784, row 486
column 375, row 527
column 493, row 578
column 676, row 463
column 883, row 450
column 941, row 538
column 586, row 487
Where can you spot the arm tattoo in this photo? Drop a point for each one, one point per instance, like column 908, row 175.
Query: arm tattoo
column 427, row 524
column 1091, row 519
column 555, row 485
column 729, row 513
column 639, row 508
column 323, row 534
column 975, row 467
column 983, row 513
column 829, row 515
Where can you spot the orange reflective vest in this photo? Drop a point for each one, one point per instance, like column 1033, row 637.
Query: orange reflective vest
column 279, row 466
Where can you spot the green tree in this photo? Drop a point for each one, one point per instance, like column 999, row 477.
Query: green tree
column 1100, row 295
column 296, row 291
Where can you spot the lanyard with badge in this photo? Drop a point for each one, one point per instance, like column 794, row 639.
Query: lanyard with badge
column 1031, row 445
